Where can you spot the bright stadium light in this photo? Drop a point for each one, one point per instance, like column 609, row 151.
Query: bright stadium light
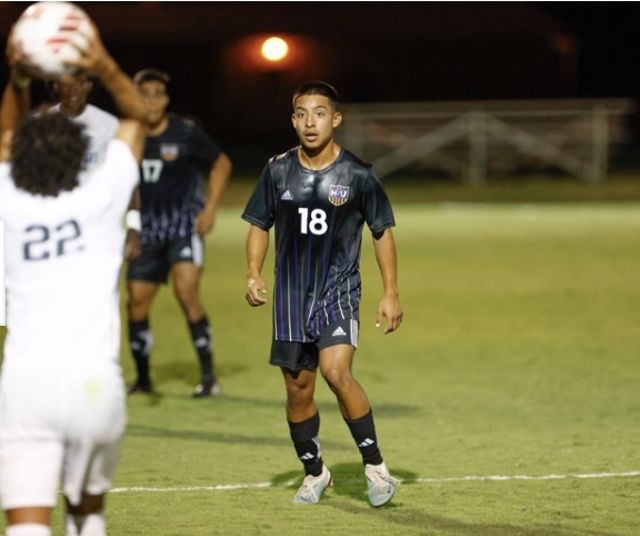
column 274, row 49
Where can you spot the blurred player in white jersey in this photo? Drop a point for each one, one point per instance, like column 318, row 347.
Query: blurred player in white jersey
column 100, row 126
column 62, row 397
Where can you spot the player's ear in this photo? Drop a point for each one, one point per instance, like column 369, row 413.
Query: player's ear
column 293, row 119
column 337, row 119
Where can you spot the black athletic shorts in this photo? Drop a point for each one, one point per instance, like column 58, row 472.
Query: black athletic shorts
column 156, row 260
column 305, row 355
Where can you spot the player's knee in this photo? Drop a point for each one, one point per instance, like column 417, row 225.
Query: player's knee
column 337, row 378
column 138, row 304
column 186, row 293
column 299, row 396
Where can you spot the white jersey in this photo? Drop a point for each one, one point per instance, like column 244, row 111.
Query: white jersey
column 63, row 257
column 100, row 126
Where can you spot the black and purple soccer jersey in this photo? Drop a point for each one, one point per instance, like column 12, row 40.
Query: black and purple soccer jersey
column 171, row 188
column 318, row 218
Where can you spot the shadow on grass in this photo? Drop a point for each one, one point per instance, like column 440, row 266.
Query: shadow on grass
column 348, row 494
column 208, row 436
column 331, row 407
column 187, row 371
column 434, row 524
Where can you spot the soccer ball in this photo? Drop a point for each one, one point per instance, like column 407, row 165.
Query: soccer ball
column 48, row 35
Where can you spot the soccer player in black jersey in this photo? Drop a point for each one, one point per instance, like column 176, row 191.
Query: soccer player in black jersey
column 175, row 216
column 318, row 196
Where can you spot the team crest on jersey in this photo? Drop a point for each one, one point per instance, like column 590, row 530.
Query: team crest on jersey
column 169, row 151
column 338, row 195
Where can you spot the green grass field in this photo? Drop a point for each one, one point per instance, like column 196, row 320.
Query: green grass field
column 518, row 355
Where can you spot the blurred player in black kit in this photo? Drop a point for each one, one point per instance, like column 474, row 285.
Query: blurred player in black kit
column 175, row 215
column 318, row 196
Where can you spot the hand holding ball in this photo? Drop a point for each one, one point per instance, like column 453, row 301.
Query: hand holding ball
column 50, row 37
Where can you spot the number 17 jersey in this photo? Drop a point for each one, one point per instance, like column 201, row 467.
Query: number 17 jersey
column 318, row 217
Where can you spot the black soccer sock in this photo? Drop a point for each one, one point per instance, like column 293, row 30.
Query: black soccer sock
column 305, row 440
column 140, row 342
column 202, row 341
column 364, row 434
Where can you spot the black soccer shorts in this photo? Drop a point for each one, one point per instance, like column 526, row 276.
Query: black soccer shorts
column 305, row 355
column 155, row 261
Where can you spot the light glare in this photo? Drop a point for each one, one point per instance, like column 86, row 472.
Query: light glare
column 275, row 49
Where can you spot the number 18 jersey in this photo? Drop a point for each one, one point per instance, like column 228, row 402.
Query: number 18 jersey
column 318, row 217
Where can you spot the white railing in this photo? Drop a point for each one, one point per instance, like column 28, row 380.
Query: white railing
column 472, row 140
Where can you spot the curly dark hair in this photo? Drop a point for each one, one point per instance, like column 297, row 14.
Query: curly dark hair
column 47, row 154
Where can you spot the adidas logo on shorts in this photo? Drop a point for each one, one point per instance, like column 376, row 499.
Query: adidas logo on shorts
column 338, row 332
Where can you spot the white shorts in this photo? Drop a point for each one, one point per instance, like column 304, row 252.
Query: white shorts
column 59, row 426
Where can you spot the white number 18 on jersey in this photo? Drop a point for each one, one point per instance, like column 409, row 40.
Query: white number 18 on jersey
column 317, row 225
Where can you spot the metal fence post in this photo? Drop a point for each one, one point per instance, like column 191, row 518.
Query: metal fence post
column 477, row 165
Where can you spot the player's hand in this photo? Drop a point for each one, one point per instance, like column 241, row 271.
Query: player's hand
column 133, row 246
column 12, row 53
column 389, row 309
column 205, row 220
column 20, row 73
column 256, row 291
column 93, row 56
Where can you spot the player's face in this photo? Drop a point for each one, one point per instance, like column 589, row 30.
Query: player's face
column 314, row 120
column 73, row 93
column 155, row 98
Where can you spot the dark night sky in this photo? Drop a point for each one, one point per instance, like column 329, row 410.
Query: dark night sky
column 372, row 51
column 609, row 44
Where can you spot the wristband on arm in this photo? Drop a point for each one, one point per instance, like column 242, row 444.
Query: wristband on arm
column 133, row 220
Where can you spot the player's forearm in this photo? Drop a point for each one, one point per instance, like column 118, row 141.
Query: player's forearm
column 15, row 101
column 135, row 203
column 132, row 133
column 121, row 88
column 385, row 249
column 257, row 246
column 218, row 179
column 14, row 105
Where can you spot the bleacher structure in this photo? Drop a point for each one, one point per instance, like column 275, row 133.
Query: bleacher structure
column 472, row 140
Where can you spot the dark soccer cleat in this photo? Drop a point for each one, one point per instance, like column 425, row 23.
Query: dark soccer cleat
column 208, row 388
column 144, row 388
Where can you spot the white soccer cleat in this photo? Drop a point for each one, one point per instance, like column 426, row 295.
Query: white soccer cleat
column 381, row 486
column 312, row 487
column 205, row 389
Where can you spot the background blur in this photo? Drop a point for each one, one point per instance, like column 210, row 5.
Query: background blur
column 454, row 57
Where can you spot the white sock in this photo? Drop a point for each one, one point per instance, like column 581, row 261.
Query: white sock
column 73, row 524
column 28, row 529
column 94, row 525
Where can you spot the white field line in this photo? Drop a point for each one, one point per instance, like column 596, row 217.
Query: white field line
column 470, row 478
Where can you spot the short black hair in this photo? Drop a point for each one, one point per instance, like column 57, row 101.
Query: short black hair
column 47, row 154
column 317, row 87
column 151, row 75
